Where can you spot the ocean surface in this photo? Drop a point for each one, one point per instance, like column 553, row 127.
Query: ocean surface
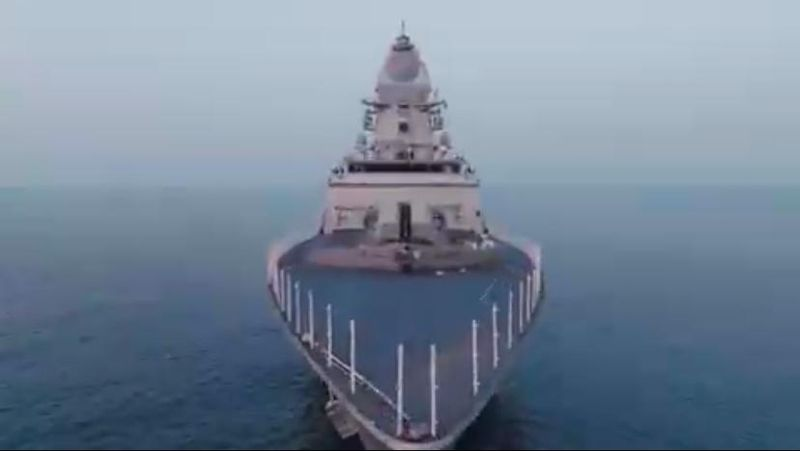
column 137, row 318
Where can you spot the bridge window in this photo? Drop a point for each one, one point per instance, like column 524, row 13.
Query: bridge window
column 406, row 166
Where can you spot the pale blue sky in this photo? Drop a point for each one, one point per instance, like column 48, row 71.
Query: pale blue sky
column 252, row 92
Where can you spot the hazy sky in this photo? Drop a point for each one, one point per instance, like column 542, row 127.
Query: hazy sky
column 187, row 92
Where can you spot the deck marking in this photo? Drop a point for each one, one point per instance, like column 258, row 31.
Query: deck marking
column 486, row 292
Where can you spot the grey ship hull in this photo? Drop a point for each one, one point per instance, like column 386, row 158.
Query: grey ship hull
column 417, row 308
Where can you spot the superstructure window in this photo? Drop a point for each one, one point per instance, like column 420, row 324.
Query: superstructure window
column 402, row 127
column 406, row 166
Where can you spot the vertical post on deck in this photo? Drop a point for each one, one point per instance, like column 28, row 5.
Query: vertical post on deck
column 523, row 299
column 352, row 356
column 329, row 344
column 521, row 314
column 298, row 319
column 287, row 295
column 282, row 293
column 510, row 334
column 530, row 297
column 495, row 337
column 288, row 299
column 399, row 427
column 311, row 318
column 277, row 287
column 475, row 383
column 537, row 283
column 434, row 388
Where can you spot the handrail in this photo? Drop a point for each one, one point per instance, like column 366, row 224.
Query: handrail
column 365, row 382
column 529, row 293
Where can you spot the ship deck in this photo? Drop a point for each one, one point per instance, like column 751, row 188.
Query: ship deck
column 416, row 309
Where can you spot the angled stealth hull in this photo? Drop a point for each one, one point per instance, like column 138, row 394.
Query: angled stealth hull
column 417, row 310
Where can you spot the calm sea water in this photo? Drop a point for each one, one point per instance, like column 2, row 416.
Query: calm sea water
column 137, row 318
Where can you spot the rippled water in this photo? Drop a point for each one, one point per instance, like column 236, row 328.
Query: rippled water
column 137, row 318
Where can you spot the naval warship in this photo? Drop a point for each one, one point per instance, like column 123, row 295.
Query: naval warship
column 404, row 301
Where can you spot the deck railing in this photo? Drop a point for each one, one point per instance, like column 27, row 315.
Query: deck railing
column 524, row 294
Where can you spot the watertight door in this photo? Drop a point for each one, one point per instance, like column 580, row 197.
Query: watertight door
column 404, row 213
